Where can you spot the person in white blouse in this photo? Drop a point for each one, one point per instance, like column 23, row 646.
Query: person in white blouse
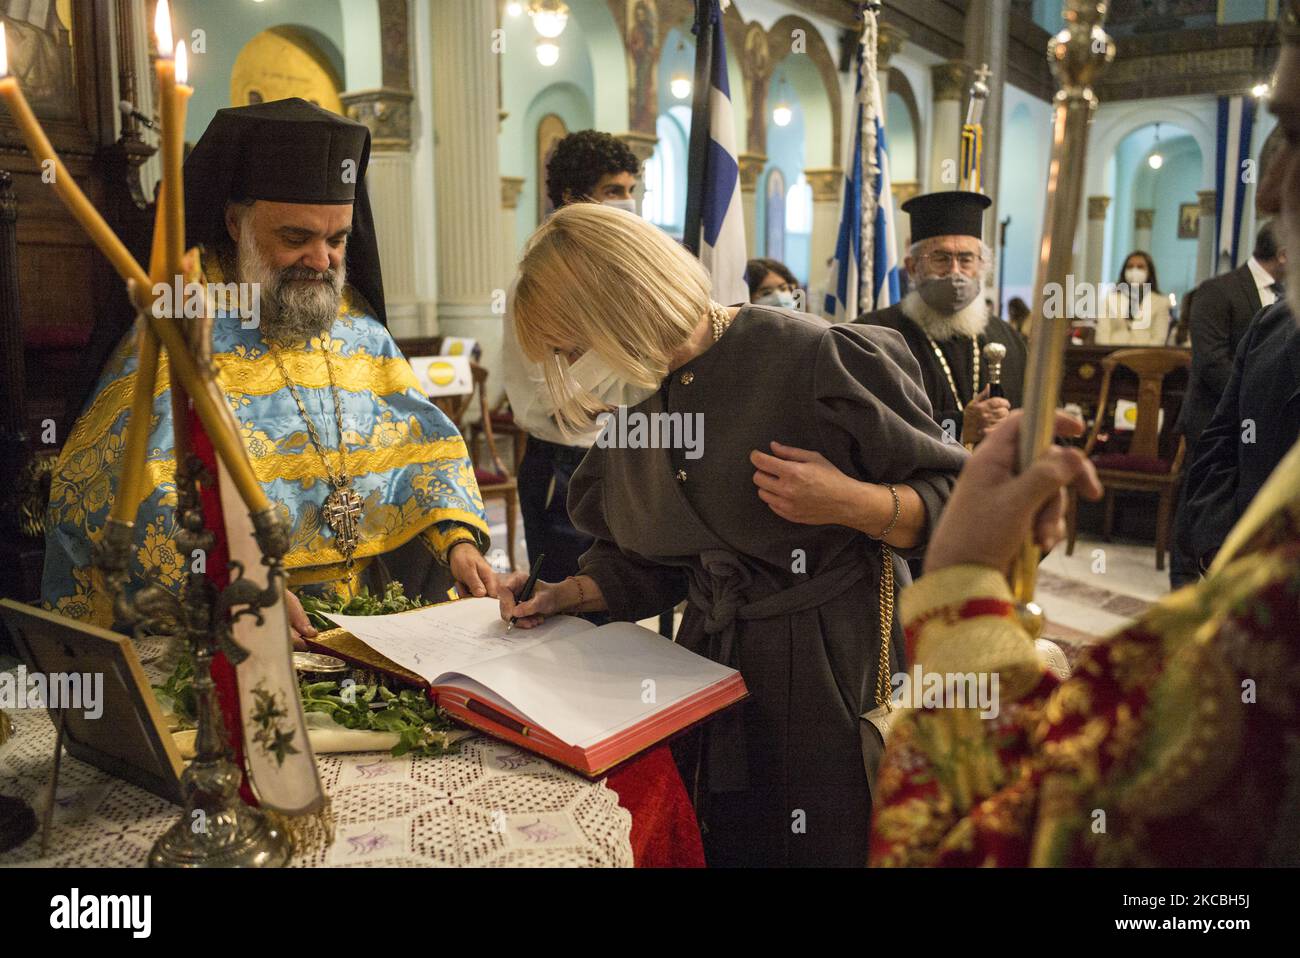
column 1135, row 312
column 593, row 167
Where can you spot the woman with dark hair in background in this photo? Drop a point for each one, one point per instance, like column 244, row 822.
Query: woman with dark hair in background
column 1018, row 315
column 771, row 283
column 1135, row 313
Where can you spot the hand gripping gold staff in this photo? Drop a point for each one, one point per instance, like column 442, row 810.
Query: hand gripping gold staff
column 1077, row 55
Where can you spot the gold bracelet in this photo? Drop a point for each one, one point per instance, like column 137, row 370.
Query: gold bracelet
column 898, row 510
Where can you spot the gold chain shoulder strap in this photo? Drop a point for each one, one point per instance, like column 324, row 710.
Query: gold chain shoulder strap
column 886, row 626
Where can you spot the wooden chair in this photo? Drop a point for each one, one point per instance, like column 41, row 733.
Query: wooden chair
column 503, row 424
column 1143, row 468
column 494, row 482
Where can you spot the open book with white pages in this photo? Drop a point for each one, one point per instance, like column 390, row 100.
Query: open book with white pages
column 584, row 696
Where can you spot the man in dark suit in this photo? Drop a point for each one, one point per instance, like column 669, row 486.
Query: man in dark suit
column 1220, row 313
column 1257, row 421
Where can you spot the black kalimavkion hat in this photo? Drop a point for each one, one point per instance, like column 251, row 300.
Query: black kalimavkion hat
column 285, row 151
column 949, row 213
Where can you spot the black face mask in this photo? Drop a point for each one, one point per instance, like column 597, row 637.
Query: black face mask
column 949, row 294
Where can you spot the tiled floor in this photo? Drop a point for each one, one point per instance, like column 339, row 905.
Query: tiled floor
column 1099, row 589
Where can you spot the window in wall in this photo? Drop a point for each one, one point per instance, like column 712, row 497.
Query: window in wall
column 664, row 203
column 798, row 227
column 550, row 131
column 798, row 207
column 775, row 213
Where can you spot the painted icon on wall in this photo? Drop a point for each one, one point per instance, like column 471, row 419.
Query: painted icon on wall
column 1189, row 220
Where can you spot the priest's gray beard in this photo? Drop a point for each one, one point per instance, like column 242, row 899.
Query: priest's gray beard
column 297, row 304
column 968, row 322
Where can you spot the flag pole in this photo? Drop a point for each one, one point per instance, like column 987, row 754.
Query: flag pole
column 698, row 148
column 1077, row 55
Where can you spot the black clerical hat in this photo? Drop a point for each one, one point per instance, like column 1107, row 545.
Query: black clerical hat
column 948, row 213
column 285, row 151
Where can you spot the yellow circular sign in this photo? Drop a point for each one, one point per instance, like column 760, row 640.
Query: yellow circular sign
column 441, row 374
column 456, row 349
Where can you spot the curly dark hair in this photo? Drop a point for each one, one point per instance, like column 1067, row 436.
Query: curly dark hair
column 581, row 159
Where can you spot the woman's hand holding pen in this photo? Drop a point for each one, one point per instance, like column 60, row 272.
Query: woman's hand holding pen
column 549, row 598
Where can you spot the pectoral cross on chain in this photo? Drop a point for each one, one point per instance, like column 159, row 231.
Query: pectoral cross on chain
column 342, row 512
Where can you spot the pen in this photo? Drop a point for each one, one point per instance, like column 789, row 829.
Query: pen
column 527, row 592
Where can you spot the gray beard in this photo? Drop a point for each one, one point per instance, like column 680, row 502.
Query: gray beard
column 968, row 322
column 291, row 311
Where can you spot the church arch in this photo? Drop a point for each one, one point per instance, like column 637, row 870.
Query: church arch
column 287, row 61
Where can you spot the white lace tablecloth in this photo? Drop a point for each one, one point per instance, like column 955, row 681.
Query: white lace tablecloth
column 490, row 804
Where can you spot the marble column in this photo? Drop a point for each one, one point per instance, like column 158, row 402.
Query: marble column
column 1143, row 220
column 826, row 184
column 642, row 146
column 467, row 179
column 986, row 41
column 390, row 181
column 945, row 138
column 511, row 187
column 1097, row 206
column 751, row 168
column 1207, row 234
column 889, row 41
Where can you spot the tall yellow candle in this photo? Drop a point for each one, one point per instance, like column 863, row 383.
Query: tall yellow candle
column 181, row 93
column 175, row 95
column 130, row 487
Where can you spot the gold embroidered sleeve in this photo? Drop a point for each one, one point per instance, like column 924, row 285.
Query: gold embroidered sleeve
column 963, row 619
column 441, row 537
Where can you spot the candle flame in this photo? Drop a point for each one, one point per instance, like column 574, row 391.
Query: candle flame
column 182, row 63
column 162, row 28
column 4, row 52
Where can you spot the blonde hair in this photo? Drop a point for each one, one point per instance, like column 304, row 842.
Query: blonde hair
column 597, row 278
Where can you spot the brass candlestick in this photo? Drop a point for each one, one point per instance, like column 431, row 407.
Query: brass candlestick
column 216, row 829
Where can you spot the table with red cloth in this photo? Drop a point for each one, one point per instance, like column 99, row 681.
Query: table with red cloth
column 665, row 833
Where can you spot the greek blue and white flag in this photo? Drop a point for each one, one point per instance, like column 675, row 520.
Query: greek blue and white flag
column 722, row 224
column 864, row 274
column 1235, row 127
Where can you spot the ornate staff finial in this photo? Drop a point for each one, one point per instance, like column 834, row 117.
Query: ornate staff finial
column 1078, row 55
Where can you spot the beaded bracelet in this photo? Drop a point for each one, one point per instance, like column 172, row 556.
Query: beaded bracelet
column 581, row 598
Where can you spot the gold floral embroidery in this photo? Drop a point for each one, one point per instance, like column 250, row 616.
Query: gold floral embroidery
column 89, row 600
column 304, row 465
column 358, row 372
column 158, row 556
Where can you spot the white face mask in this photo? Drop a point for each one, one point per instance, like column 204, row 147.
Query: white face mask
column 782, row 298
column 629, row 204
column 591, row 374
column 1135, row 275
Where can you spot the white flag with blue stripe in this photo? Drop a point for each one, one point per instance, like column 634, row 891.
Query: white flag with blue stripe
column 865, row 272
column 722, row 226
